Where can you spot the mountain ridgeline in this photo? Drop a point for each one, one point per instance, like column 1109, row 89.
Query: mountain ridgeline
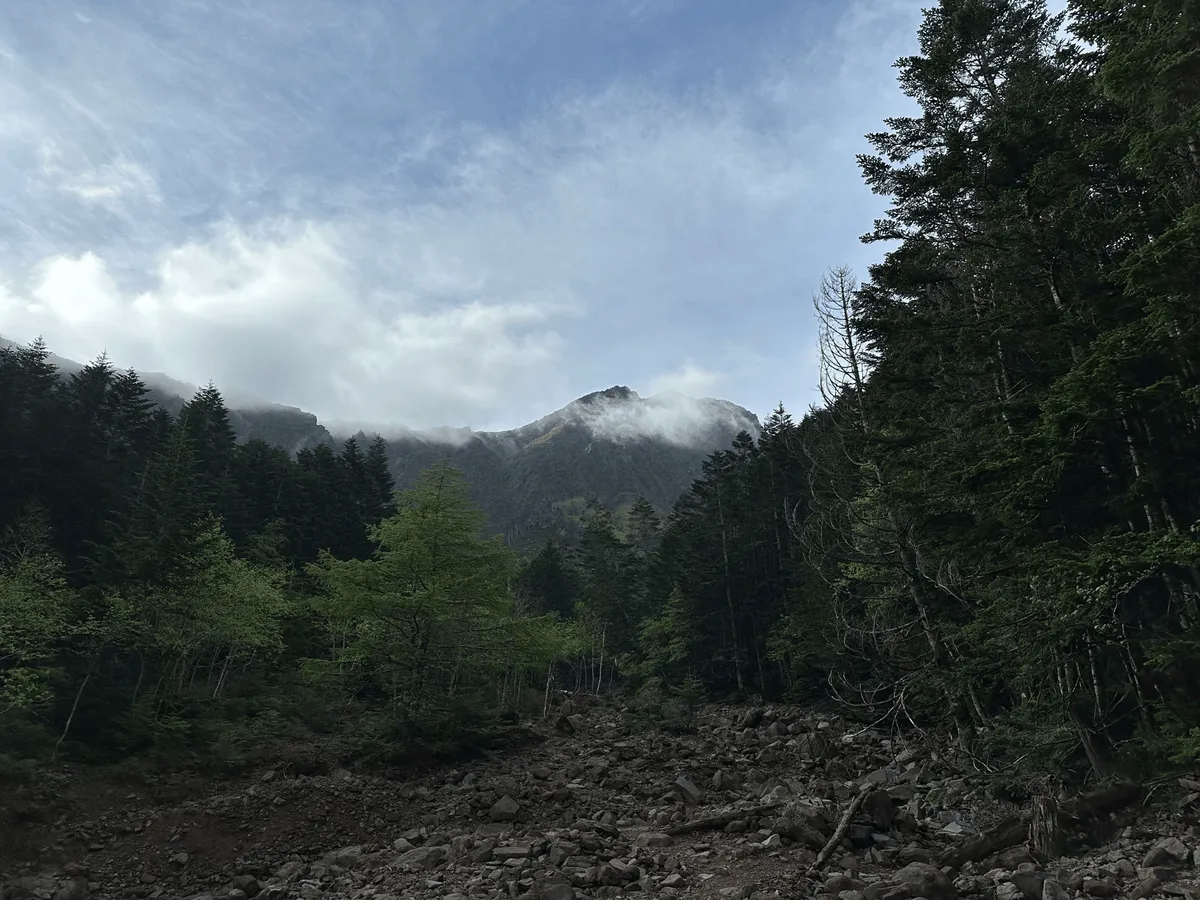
column 533, row 482
column 609, row 447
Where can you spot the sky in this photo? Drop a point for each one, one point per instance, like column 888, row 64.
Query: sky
column 462, row 212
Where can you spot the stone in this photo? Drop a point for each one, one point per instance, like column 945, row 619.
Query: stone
column 691, row 794
column 1145, row 887
column 1031, row 884
column 422, row 858
column 248, row 884
column 503, row 854
column 291, row 870
column 75, row 889
column 345, row 857
column 554, row 890
column 504, row 810
column 1100, row 887
column 879, row 807
column 1167, row 852
column 926, row 881
column 654, row 839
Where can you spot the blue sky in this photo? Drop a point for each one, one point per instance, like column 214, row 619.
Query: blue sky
column 462, row 212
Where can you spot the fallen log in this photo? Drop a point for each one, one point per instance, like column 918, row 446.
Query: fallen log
column 1007, row 834
column 1103, row 800
column 1048, row 821
column 840, row 831
column 720, row 820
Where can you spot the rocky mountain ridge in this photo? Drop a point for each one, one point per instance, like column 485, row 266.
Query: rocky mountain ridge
column 752, row 804
column 612, row 446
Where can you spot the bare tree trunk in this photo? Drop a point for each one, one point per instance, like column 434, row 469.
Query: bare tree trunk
column 74, row 706
column 224, row 673
column 546, row 701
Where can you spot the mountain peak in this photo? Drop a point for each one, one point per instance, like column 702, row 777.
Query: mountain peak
column 616, row 392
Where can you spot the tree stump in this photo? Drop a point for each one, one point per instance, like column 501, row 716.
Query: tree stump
column 1045, row 834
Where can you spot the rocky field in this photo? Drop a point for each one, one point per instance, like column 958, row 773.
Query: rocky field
column 756, row 803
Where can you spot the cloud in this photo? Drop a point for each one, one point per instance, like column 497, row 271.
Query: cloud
column 669, row 416
column 108, row 184
column 283, row 310
column 689, row 379
column 427, row 214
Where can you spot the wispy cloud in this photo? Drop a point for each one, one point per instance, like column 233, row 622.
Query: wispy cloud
column 429, row 213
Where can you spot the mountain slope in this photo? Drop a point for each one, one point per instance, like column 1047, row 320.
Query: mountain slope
column 531, row 481
column 611, row 445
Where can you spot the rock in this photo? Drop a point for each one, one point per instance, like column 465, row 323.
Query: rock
column 654, row 839
column 1031, row 884
column 691, row 794
column 503, row 854
column 1100, row 887
column 291, row 870
column 926, row 881
column 422, row 858
column 801, row 834
column 554, row 890
column 75, row 889
column 248, row 884
column 723, row 780
column 1052, row 890
column 1145, row 887
column 504, row 810
column 879, row 807
column 835, row 884
column 345, row 857
column 1167, row 852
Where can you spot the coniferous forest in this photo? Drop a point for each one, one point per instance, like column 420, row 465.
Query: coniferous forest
column 991, row 523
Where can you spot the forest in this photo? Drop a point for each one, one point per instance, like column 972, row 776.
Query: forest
column 990, row 524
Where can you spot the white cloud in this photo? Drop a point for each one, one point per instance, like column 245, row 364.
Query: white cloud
column 107, row 184
column 673, row 417
column 690, row 380
column 283, row 312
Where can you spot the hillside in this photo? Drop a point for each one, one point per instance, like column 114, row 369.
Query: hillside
column 531, row 481
column 610, row 445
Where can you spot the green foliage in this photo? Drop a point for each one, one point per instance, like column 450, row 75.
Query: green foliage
column 429, row 621
column 35, row 613
column 990, row 520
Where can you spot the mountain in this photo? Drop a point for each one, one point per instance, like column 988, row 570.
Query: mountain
column 283, row 426
column 612, row 445
column 534, row 481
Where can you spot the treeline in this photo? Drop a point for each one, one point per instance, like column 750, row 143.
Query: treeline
column 165, row 591
column 992, row 522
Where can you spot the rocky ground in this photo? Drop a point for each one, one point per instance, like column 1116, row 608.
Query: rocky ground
column 745, row 807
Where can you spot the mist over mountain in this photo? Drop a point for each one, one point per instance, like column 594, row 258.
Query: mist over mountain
column 533, row 482
column 611, row 446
